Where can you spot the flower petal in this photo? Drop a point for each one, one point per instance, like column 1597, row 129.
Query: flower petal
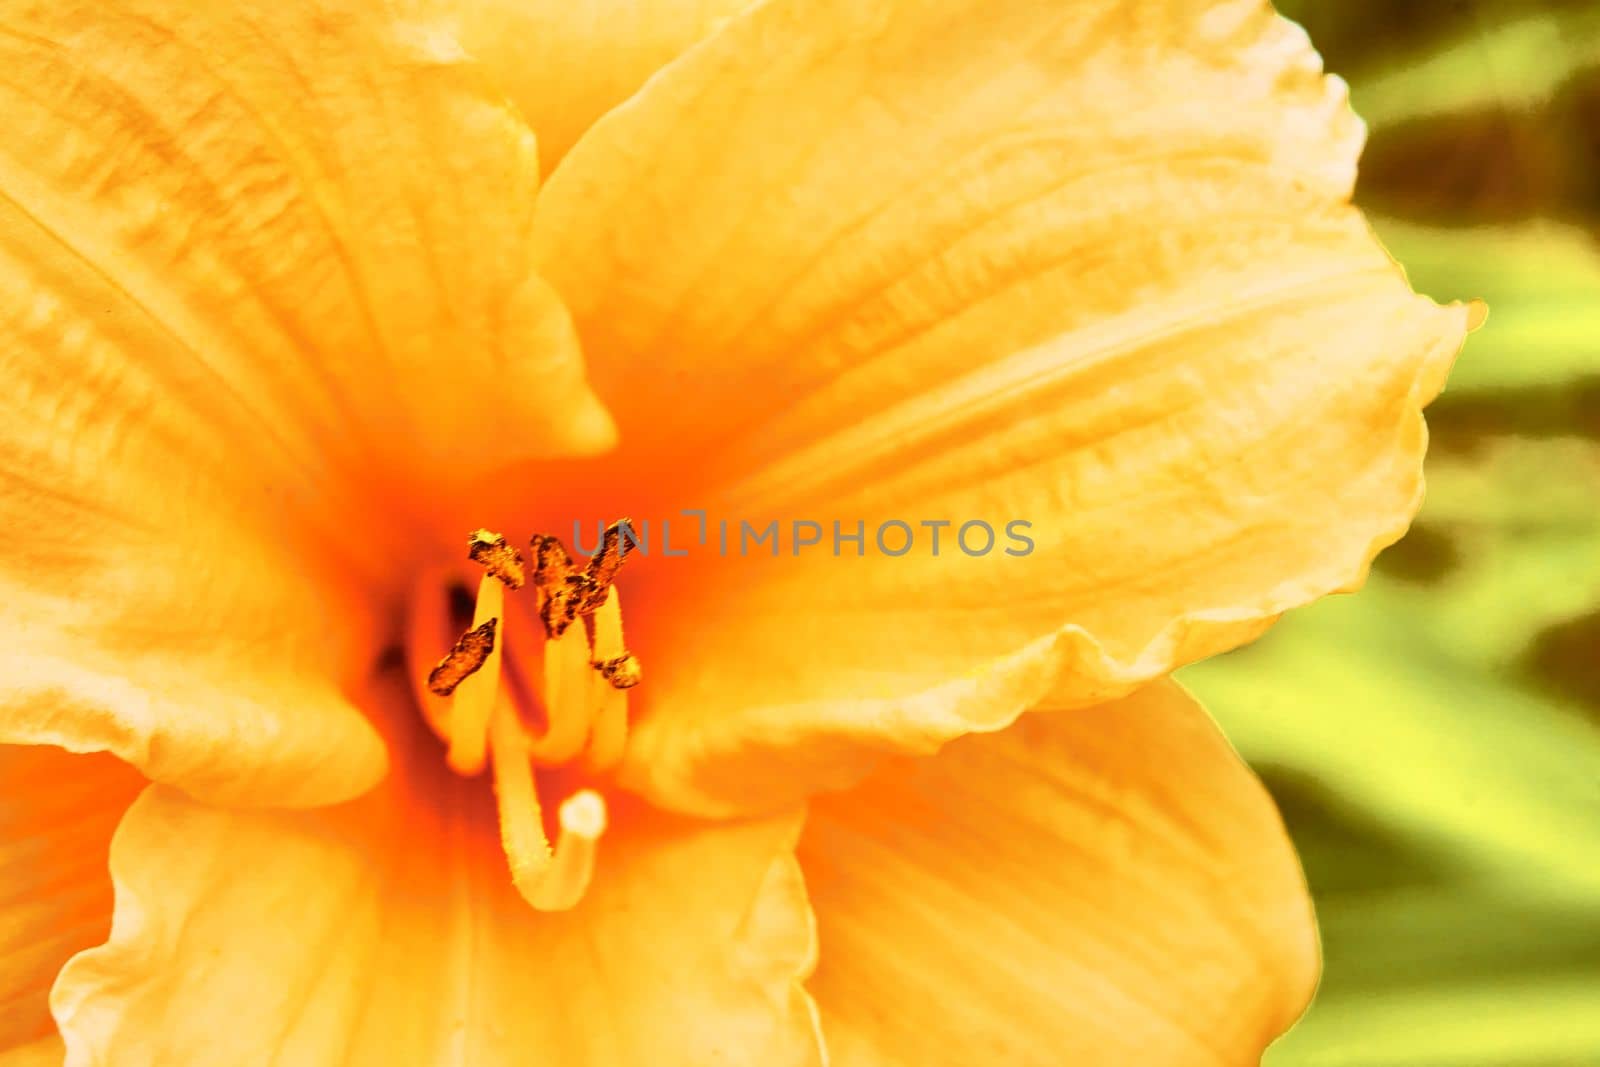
column 56, row 821
column 1088, row 266
column 566, row 64
column 263, row 273
column 1106, row 886
column 387, row 932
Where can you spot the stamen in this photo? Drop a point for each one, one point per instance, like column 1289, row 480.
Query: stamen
column 490, row 550
column 583, row 677
column 476, row 696
column 549, row 880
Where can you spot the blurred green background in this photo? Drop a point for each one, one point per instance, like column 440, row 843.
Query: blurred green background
column 1434, row 743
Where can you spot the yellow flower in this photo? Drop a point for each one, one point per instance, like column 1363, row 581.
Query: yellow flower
column 285, row 312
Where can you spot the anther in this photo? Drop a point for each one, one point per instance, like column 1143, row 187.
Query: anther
column 623, row 672
column 568, row 593
column 490, row 550
column 608, row 561
column 464, row 660
column 551, row 564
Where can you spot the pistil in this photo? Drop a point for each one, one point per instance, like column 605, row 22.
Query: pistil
column 548, row 879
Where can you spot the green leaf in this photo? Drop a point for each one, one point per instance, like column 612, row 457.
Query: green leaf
column 1360, row 695
column 1518, row 64
column 1539, row 1020
column 1363, row 39
column 1453, row 978
column 1541, row 281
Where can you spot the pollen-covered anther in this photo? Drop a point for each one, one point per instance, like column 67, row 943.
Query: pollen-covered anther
column 491, row 551
column 551, row 563
column 614, row 545
column 561, row 603
column 465, row 659
column 623, row 672
column 569, row 594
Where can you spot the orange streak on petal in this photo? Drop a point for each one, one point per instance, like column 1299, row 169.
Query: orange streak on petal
column 56, row 821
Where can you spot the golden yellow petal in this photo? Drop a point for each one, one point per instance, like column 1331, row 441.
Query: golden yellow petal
column 1108, row 886
column 387, row 933
column 265, row 302
column 1089, row 267
column 565, row 64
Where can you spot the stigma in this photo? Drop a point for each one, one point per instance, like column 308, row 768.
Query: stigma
column 538, row 679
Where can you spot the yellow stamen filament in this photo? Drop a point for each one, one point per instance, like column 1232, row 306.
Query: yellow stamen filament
column 548, row 879
column 426, row 632
column 476, row 696
column 566, row 698
column 610, row 703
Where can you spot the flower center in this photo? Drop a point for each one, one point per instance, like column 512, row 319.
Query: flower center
column 539, row 678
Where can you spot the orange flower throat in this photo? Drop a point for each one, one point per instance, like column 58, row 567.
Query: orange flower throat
column 508, row 696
